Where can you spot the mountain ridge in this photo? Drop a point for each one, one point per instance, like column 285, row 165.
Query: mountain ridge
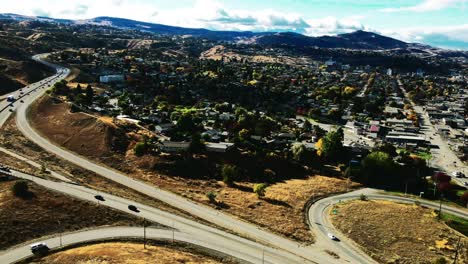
column 360, row 39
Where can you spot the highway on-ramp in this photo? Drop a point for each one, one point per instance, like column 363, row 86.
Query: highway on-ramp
column 319, row 220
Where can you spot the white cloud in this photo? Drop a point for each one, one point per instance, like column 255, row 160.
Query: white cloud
column 333, row 26
column 443, row 36
column 427, row 5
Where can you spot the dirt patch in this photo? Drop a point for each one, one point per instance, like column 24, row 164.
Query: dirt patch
column 78, row 132
column 128, row 253
column 398, row 233
column 47, row 212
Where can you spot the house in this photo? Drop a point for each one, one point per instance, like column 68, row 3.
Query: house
column 164, row 128
column 221, row 147
column 111, row 78
column 173, row 146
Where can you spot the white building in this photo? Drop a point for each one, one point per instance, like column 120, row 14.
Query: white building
column 111, row 78
column 389, row 72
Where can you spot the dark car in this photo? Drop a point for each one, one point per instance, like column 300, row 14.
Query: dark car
column 99, row 197
column 39, row 248
column 133, row 208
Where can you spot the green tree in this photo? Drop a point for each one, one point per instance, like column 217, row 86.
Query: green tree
column 379, row 169
column 330, row 146
column 211, row 196
column 196, row 145
column 244, row 135
column 140, row 149
column 186, row 123
column 229, row 173
column 89, row 92
column 260, row 189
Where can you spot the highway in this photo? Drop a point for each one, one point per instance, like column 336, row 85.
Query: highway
column 214, row 216
column 320, row 224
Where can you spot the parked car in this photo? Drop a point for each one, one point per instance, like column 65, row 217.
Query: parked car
column 39, row 248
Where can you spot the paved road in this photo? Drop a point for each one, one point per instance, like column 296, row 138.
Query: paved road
column 204, row 212
column 199, row 234
column 443, row 158
column 320, row 223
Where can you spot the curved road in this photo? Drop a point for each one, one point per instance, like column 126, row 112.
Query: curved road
column 311, row 253
column 320, row 223
column 115, row 233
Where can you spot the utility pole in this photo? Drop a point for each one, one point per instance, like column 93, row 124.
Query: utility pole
column 263, row 255
column 440, row 205
column 456, row 252
column 144, row 233
column 60, row 233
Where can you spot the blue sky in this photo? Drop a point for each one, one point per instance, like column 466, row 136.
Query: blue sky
column 442, row 23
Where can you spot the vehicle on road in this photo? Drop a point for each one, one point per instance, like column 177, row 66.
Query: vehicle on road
column 99, row 198
column 39, row 248
column 133, row 208
column 332, row 237
column 458, row 174
column 11, row 98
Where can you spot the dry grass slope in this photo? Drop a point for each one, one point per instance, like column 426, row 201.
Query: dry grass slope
column 398, row 233
column 26, row 219
column 125, row 253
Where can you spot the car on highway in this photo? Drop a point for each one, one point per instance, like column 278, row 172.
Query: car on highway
column 99, row 198
column 332, row 237
column 39, row 248
column 133, row 208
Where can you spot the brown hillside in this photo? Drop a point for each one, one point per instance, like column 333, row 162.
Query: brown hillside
column 78, row 132
column 15, row 74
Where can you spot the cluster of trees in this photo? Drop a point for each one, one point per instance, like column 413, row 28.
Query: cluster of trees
column 78, row 95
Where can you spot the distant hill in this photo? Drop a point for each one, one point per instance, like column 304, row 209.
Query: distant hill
column 355, row 40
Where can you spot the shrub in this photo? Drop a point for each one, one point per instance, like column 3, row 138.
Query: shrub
column 211, row 196
column 260, row 189
column 229, row 174
column 140, row 149
column 20, row 189
column 440, row 260
column 363, row 197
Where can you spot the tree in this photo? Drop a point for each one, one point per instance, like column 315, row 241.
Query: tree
column 196, row 145
column 20, row 189
column 140, row 149
column 331, row 146
column 186, row 123
column 229, row 173
column 89, row 92
column 464, row 198
column 379, row 169
column 244, row 135
column 211, row 196
column 260, row 189
column 386, row 147
column 299, row 152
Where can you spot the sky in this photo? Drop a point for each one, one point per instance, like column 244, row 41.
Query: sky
column 442, row 23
